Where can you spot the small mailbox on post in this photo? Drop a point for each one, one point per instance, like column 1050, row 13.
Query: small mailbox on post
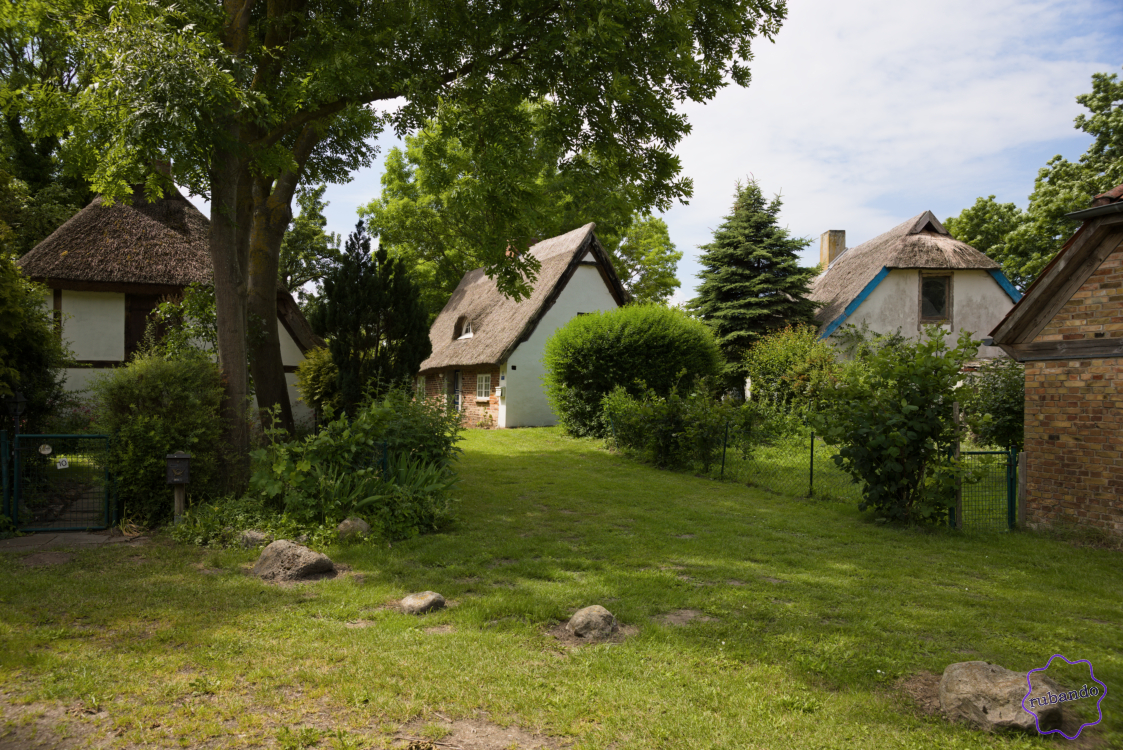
column 179, row 474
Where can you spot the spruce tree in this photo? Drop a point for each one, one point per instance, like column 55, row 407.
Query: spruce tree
column 372, row 316
column 751, row 279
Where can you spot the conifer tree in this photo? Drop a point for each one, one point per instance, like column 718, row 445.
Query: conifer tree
column 377, row 328
column 751, row 279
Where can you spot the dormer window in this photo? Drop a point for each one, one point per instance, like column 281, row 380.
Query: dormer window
column 463, row 329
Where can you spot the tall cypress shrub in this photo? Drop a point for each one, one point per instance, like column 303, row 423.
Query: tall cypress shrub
column 751, row 279
column 372, row 316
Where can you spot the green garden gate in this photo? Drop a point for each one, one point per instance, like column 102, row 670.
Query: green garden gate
column 57, row 482
column 988, row 495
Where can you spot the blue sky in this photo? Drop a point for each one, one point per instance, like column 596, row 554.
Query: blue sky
column 866, row 112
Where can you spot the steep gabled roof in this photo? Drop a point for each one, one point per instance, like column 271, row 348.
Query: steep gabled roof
column 1094, row 241
column 920, row 242
column 500, row 323
column 131, row 242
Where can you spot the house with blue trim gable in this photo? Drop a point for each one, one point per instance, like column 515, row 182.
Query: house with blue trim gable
column 914, row 275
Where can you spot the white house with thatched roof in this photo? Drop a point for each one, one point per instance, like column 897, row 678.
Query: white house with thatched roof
column 487, row 348
column 109, row 266
column 915, row 274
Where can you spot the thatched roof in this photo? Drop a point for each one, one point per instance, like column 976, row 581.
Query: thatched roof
column 920, row 242
column 130, row 242
column 500, row 323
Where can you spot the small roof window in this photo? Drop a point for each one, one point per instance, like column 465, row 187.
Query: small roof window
column 463, row 329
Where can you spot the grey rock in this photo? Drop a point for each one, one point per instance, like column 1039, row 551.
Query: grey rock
column 592, row 622
column 253, row 538
column 990, row 697
column 284, row 561
column 353, row 528
column 419, row 604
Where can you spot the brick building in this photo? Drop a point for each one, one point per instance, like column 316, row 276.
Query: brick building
column 1068, row 330
column 487, row 348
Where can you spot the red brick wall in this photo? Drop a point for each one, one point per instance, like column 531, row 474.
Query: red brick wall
column 438, row 384
column 1074, row 414
column 1097, row 307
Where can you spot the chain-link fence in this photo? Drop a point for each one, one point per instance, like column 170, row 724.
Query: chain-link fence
column 798, row 465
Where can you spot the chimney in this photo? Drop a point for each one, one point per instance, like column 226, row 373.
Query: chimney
column 831, row 245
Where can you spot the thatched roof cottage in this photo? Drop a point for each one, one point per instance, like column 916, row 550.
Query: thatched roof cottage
column 487, row 348
column 108, row 267
column 915, row 274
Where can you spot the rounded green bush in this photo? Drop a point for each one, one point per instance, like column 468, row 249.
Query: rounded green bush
column 152, row 407
column 633, row 347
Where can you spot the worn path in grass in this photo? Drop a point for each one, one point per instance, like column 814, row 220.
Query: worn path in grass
column 803, row 617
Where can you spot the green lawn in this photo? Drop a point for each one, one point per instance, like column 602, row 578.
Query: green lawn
column 816, row 613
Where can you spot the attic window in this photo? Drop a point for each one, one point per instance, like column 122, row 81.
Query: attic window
column 935, row 299
column 463, row 329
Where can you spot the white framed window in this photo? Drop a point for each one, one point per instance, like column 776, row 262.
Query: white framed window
column 483, row 386
column 421, row 386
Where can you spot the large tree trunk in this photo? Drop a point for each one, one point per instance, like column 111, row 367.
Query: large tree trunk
column 271, row 216
column 272, row 212
column 230, row 304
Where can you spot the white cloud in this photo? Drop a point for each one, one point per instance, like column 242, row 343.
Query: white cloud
column 865, row 113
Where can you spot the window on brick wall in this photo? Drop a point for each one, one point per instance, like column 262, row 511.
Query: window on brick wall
column 421, row 385
column 483, row 386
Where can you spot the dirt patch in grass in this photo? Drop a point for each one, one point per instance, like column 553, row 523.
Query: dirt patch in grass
column 50, row 727
column 355, row 624
column 770, row 579
column 924, row 689
column 684, row 536
column 440, row 629
column 469, row 734
column 569, row 640
column 681, row 617
column 47, row 558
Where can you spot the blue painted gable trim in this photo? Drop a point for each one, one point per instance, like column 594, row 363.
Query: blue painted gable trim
column 1004, row 282
column 858, row 301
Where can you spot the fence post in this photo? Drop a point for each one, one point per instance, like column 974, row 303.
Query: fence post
column 4, row 472
column 958, row 478
column 811, row 478
column 1011, row 487
column 724, row 443
column 1023, row 482
column 612, row 426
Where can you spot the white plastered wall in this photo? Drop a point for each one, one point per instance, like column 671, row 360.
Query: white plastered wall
column 525, row 403
column 290, row 357
column 93, row 324
column 978, row 304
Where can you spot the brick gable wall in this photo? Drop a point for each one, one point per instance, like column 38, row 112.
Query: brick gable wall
column 1074, row 414
column 438, row 384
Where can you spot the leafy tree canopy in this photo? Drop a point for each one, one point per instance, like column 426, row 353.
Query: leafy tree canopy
column 438, row 212
column 1024, row 242
column 751, row 279
column 39, row 189
column 307, row 251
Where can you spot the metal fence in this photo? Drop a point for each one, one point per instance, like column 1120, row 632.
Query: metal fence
column 57, row 482
column 802, row 465
column 988, row 491
column 798, row 465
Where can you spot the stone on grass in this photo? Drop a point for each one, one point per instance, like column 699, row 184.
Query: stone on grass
column 419, row 604
column 353, row 528
column 253, row 538
column 592, row 622
column 990, row 697
column 284, row 561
